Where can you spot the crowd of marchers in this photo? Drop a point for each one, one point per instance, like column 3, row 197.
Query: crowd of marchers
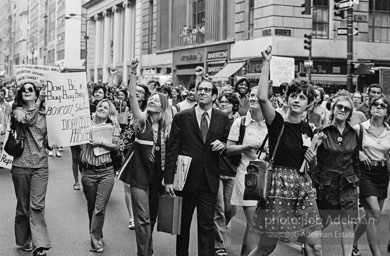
column 221, row 128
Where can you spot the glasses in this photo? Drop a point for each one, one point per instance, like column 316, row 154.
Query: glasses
column 225, row 102
column 140, row 92
column 29, row 89
column 379, row 104
column 342, row 107
column 206, row 90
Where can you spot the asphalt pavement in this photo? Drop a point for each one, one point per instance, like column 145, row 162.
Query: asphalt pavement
column 67, row 220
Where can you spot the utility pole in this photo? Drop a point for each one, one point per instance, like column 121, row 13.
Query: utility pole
column 350, row 49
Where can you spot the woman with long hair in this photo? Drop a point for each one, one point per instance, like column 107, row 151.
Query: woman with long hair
column 30, row 171
column 98, row 174
column 128, row 135
column 291, row 209
column 146, row 167
column 374, row 179
column 338, row 171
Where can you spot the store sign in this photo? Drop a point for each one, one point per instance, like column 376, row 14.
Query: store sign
column 192, row 57
column 214, row 69
column 217, row 55
column 283, row 32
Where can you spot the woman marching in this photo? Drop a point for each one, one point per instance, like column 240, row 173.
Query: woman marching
column 98, row 174
column 374, row 178
column 338, row 171
column 291, row 209
column 30, row 171
column 146, row 167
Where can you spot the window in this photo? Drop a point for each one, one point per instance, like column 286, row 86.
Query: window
column 379, row 21
column 61, row 55
column 199, row 13
column 251, row 21
column 150, row 26
column 321, row 18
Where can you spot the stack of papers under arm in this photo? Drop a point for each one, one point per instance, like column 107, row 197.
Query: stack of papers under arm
column 101, row 133
column 182, row 166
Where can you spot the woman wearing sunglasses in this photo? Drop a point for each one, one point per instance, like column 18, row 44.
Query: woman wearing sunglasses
column 30, row 170
column 338, row 171
column 374, row 178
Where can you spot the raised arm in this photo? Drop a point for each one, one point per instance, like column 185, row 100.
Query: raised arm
column 132, row 90
column 262, row 93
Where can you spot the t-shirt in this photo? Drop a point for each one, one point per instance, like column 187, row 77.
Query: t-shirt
column 291, row 150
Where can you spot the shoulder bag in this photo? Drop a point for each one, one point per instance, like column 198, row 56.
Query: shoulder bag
column 258, row 177
column 15, row 142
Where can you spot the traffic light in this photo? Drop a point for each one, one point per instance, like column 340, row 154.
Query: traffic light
column 306, row 7
column 308, row 41
column 337, row 12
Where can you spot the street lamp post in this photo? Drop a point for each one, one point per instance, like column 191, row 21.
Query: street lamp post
column 86, row 37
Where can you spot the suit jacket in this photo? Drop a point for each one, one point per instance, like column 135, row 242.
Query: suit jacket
column 186, row 139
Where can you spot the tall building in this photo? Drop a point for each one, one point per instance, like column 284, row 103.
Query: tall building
column 178, row 35
column 114, row 37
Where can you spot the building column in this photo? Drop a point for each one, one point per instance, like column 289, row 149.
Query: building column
column 117, row 35
column 98, row 46
column 128, row 45
column 106, row 45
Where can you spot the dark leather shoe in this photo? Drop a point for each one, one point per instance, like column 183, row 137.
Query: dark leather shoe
column 28, row 247
column 39, row 252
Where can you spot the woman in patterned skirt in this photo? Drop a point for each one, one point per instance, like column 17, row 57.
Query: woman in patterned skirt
column 291, row 209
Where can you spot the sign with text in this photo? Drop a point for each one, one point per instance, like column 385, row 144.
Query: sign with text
column 67, row 109
column 282, row 70
column 32, row 73
column 5, row 159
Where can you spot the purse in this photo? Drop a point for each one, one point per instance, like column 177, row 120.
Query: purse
column 15, row 142
column 117, row 158
column 258, row 177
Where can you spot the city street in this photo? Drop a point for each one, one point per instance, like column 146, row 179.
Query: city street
column 66, row 216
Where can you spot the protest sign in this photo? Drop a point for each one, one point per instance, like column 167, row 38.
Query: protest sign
column 32, row 73
column 282, row 70
column 5, row 159
column 67, row 109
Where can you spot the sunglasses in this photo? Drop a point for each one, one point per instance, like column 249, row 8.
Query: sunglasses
column 29, row 89
column 342, row 107
column 225, row 102
column 379, row 104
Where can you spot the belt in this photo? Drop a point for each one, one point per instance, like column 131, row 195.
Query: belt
column 378, row 163
column 95, row 167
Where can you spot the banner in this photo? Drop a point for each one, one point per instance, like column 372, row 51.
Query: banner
column 5, row 159
column 282, row 70
column 32, row 73
column 67, row 109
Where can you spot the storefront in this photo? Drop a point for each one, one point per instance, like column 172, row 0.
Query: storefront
column 211, row 58
column 157, row 67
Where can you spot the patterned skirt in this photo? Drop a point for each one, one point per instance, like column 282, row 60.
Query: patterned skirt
column 291, row 210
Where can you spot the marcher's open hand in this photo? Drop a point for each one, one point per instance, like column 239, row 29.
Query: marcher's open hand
column 365, row 160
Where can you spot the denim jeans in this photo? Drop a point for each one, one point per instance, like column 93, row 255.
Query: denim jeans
column 224, row 211
column 145, row 208
column 97, row 185
column 30, row 188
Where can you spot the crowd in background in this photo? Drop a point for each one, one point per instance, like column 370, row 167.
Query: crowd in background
column 151, row 123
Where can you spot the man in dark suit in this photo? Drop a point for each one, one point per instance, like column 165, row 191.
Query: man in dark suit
column 199, row 133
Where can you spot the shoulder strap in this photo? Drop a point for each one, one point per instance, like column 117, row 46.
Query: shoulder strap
column 360, row 137
column 242, row 131
column 277, row 145
column 261, row 149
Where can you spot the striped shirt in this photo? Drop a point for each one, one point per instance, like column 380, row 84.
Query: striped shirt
column 88, row 157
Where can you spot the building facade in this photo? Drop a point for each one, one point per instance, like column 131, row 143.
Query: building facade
column 114, row 40
column 179, row 35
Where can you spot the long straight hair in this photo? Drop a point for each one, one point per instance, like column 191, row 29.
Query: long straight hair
column 164, row 118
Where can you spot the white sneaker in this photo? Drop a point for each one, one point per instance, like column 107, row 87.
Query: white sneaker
column 58, row 154
column 50, row 153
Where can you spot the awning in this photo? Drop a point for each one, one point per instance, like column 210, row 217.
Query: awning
column 228, row 70
column 324, row 79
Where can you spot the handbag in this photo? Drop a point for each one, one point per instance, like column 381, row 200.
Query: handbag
column 117, row 158
column 169, row 214
column 15, row 142
column 258, row 177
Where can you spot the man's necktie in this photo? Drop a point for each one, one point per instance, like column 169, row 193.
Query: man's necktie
column 204, row 126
